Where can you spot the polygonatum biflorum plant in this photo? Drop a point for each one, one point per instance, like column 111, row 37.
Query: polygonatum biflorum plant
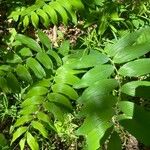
column 47, row 12
column 110, row 86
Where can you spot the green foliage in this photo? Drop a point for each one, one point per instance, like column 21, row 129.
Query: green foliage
column 47, row 12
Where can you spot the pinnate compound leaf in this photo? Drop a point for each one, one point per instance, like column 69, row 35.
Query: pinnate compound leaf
column 18, row 133
column 114, row 142
column 32, row 142
column 138, row 124
column 137, row 88
column 39, row 126
column 35, row 66
column 29, row 42
column 136, row 68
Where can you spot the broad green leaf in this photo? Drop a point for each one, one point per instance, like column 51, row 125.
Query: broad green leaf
column 22, row 120
column 90, row 60
column 51, row 12
column 136, row 68
column 23, row 73
column 44, row 39
column 35, row 66
column 29, row 110
column 5, row 67
column 12, row 58
column 22, row 143
column 44, row 82
column 34, row 100
column 18, row 133
column 97, row 73
column 13, row 83
column 132, row 52
column 62, row 12
column 32, row 142
column 29, row 42
column 126, row 40
column 64, row 48
column 138, row 124
column 66, row 90
column 45, row 60
column 114, row 142
column 38, row 126
column 44, row 16
column 36, row 91
column 60, row 100
column 66, row 78
column 25, row 52
column 34, row 19
column 26, row 21
column 137, row 88
column 55, row 110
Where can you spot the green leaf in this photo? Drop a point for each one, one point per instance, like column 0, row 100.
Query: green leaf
column 32, row 109
column 34, row 19
column 137, row 88
column 4, row 85
column 67, row 5
column 114, row 142
column 29, row 42
column 25, row 52
column 77, row 4
column 136, row 68
column 36, row 68
column 64, row 48
column 51, row 12
column 32, row 142
column 138, row 124
column 55, row 56
column 12, row 58
column 62, row 12
column 97, row 73
column 60, row 100
column 93, row 59
column 55, row 110
column 66, row 90
column 38, row 126
column 132, row 52
column 22, row 143
column 44, row 16
column 13, row 83
column 26, row 21
column 23, row 73
column 36, row 91
column 67, row 78
column 44, row 39
column 18, row 133
column 22, row 120
column 3, row 141
column 45, row 60
column 34, row 100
